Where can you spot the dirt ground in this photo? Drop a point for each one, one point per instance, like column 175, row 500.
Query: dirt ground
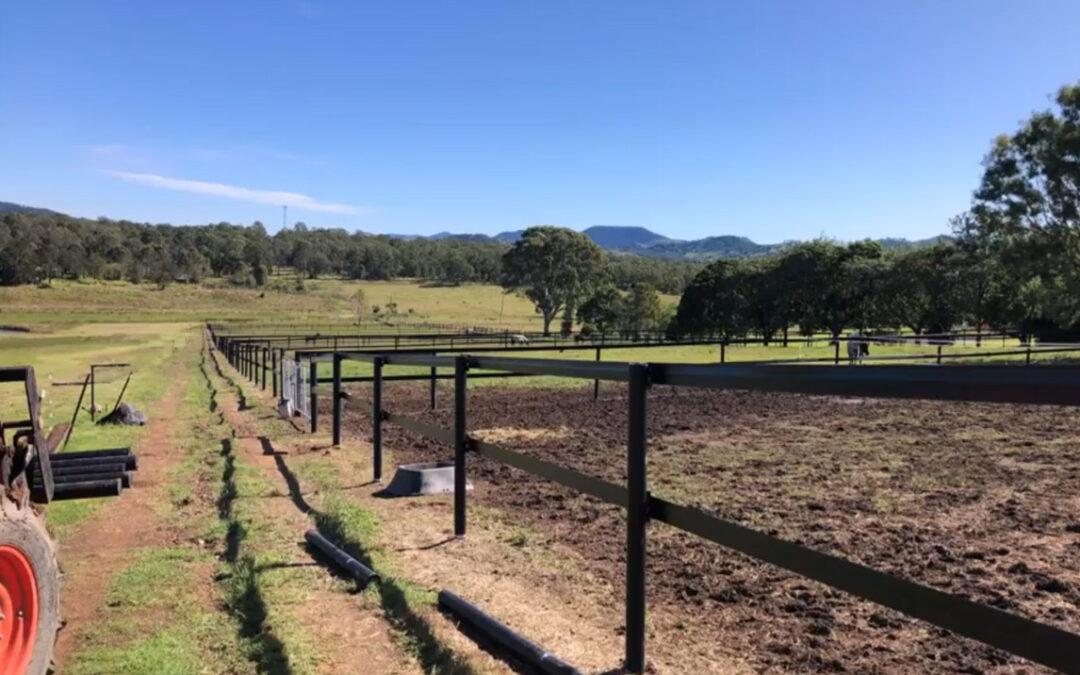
column 100, row 547
column 978, row 500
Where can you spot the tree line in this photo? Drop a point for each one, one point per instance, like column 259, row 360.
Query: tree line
column 37, row 247
column 1014, row 262
column 567, row 277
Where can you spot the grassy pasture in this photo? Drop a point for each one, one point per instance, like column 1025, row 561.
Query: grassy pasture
column 76, row 324
column 695, row 354
column 65, row 355
column 321, row 301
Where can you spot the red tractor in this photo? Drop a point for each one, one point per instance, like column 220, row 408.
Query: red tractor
column 33, row 476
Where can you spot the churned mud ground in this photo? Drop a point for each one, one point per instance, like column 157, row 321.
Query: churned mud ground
column 979, row 500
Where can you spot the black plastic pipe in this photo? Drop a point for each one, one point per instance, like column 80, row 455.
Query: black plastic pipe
column 86, row 490
column 90, row 454
column 124, row 476
column 128, row 461
column 527, row 652
column 348, row 564
column 82, row 469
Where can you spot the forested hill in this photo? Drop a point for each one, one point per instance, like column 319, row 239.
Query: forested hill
column 644, row 242
column 38, row 244
column 630, row 239
column 9, row 207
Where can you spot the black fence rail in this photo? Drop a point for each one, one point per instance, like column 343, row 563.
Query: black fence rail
column 1060, row 385
column 262, row 358
column 1038, row 642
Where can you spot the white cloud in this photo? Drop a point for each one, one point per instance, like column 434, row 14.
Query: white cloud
column 273, row 197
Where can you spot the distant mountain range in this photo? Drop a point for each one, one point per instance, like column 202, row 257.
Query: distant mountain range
column 632, row 239
column 629, row 239
column 9, row 207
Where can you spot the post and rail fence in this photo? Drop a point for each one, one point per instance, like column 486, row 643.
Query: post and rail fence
column 1058, row 385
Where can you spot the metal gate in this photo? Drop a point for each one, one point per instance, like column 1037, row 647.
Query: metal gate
column 295, row 386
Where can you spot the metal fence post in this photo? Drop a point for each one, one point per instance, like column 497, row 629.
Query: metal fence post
column 376, row 418
column 433, row 373
column 836, row 344
column 461, row 368
column 273, row 370
column 723, row 351
column 313, row 383
column 93, row 397
column 939, row 354
column 636, row 518
column 596, row 383
column 337, row 400
column 263, row 373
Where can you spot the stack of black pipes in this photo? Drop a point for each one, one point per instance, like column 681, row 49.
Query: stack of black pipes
column 93, row 473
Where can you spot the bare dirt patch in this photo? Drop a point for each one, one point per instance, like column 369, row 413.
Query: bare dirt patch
column 510, row 434
column 975, row 499
column 99, row 548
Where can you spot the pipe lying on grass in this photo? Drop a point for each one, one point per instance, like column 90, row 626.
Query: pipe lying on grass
column 91, row 454
column 87, row 489
column 128, row 461
column 74, row 470
column 523, row 650
column 353, row 567
column 123, row 476
column 87, row 476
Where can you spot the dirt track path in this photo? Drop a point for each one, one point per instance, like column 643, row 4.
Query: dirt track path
column 353, row 634
column 103, row 545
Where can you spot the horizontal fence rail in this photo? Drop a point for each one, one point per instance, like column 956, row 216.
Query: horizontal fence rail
column 1038, row 642
column 1034, row 384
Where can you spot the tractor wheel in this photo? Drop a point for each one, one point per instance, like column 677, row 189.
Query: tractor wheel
column 29, row 591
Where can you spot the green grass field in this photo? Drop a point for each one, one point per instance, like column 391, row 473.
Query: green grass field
column 157, row 332
column 321, row 301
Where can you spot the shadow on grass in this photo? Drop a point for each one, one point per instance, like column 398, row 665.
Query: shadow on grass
column 240, row 396
column 267, row 652
column 432, row 654
column 295, row 493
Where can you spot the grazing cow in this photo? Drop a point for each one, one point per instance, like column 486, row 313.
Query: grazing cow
column 857, row 348
column 519, row 339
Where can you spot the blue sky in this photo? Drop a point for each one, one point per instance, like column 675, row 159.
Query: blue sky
column 773, row 120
